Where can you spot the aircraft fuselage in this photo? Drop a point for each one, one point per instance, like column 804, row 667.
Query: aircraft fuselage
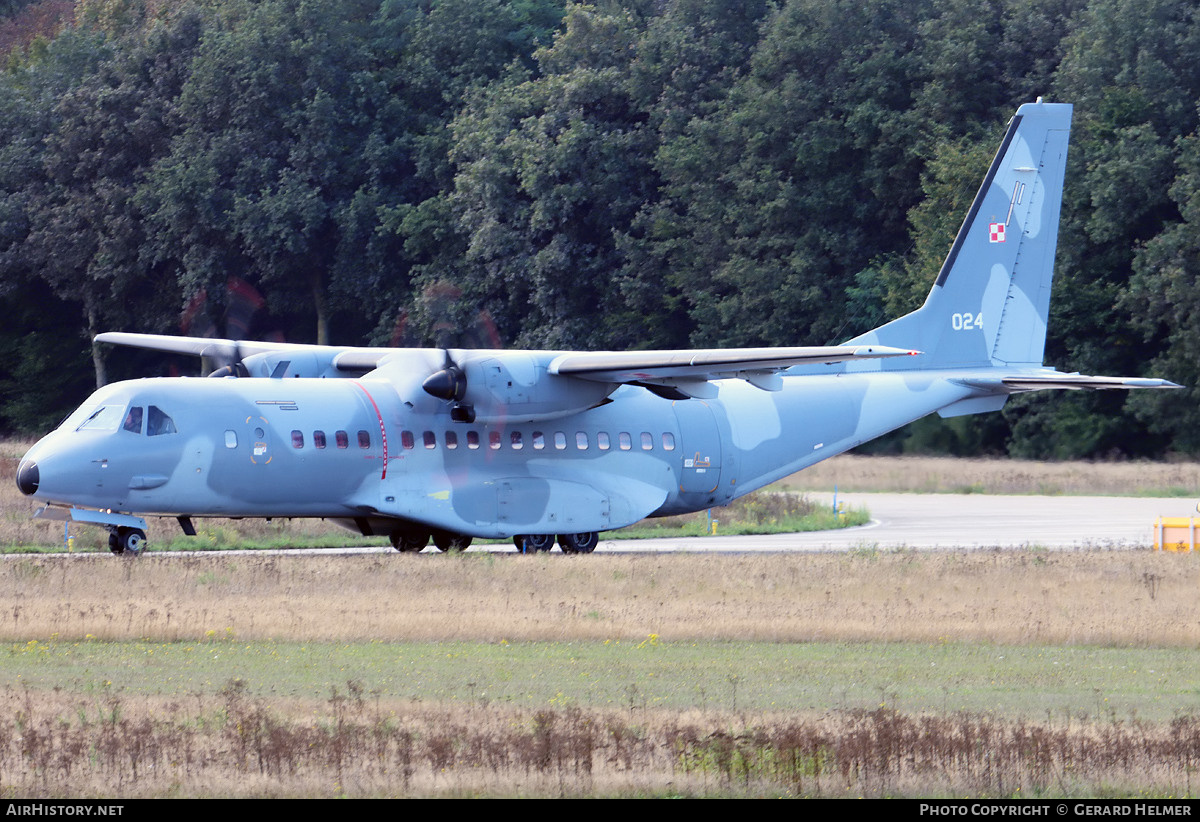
column 357, row 451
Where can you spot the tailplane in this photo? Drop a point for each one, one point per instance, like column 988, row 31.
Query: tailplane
column 991, row 299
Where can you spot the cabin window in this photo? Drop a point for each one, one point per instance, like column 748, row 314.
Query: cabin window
column 539, row 440
column 602, row 441
column 133, row 420
column 668, row 441
column 472, row 439
column 494, row 440
column 560, row 440
column 624, row 441
column 647, row 441
column 516, row 441
column 342, row 439
column 364, row 439
column 159, row 423
column 297, row 439
column 406, row 440
column 451, row 440
column 318, row 439
column 430, row 439
column 231, row 439
column 581, row 440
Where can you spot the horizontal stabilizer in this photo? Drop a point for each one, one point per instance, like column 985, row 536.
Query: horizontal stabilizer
column 1082, row 381
column 1053, row 379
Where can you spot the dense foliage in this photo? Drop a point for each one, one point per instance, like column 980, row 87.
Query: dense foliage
column 634, row 173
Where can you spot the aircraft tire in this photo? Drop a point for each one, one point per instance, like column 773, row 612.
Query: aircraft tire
column 132, row 541
column 408, row 543
column 583, row 543
column 533, row 543
column 447, row 541
column 114, row 544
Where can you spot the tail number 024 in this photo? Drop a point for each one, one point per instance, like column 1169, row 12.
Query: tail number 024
column 966, row 321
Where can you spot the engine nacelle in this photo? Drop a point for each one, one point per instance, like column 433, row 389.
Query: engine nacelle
column 511, row 386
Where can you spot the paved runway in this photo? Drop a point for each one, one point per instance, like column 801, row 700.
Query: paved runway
column 931, row 521
column 918, row 521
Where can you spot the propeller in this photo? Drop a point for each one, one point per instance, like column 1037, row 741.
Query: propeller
column 241, row 304
column 441, row 309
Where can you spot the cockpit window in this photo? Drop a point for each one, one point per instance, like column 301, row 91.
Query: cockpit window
column 104, row 418
column 159, row 423
column 133, row 419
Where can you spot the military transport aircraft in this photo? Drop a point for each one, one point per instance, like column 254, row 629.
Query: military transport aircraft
column 551, row 445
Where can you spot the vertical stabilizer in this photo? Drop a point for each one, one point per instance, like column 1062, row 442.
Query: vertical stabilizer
column 991, row 299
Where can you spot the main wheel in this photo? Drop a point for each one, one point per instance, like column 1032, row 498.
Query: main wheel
column 132, row 541
column 583, row 543
column 530, row 543
column 114, row 544
column 407, row 542
column 447, row 541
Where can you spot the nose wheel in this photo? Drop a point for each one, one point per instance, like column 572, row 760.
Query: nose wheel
column 127, row 541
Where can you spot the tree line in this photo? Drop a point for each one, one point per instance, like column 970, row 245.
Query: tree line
column 625, row 174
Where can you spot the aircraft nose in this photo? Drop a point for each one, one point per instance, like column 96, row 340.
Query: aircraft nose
column 28, row 477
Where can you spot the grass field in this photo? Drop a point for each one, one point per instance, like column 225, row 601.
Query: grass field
column 960, row 475
column 833, row 675
column 991, row 673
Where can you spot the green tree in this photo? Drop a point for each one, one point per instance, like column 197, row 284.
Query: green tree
column 550, row 170
column 259, row 183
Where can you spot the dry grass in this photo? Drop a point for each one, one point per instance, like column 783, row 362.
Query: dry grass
column 958, row 475
column 1008, row 597
column 87, row 741
column 355, row 744
column 80, row 739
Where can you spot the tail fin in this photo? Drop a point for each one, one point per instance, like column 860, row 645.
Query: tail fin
column 992, row 296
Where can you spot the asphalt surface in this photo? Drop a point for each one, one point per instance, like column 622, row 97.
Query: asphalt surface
column 916, row 521
column 944, row 521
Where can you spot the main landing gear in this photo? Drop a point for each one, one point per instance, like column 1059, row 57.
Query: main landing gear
column 583, row 543
column 409, row 542
column 413, row 541
column 128, row 542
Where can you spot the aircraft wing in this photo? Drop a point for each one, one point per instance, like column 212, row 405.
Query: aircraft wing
column 672, row 374
column 342, row 358
column 194, row 346
column 687, row 373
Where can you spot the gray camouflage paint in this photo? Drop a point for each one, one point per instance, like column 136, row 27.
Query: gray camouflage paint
column 984, row 320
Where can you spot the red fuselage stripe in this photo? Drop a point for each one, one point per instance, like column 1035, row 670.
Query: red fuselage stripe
column 382, row 429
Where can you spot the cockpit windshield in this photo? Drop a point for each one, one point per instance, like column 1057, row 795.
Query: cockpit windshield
column 110, row 417
column 104, row 418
